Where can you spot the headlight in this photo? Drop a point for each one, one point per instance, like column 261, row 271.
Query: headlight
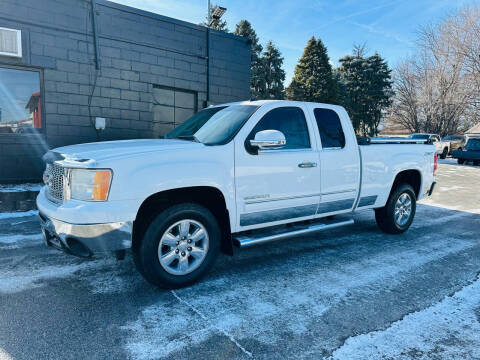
column 90, row 185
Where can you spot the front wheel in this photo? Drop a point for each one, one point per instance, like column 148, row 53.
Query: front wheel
column 460, row 161
column 397, row 215
column 179, row 246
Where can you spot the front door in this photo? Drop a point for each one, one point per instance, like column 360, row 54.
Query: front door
column 282, row 184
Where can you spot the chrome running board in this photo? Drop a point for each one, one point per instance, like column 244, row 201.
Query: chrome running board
column 243, row 240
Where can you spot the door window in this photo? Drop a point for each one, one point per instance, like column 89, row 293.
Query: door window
column 290, row 121
column 330, row 128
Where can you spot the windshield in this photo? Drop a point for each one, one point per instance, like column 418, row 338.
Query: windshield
column 419, row 136
column 453, row 138
column 473, row 144
column 214, row 126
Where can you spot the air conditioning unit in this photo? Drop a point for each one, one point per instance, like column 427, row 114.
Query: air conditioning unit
column 10, row 42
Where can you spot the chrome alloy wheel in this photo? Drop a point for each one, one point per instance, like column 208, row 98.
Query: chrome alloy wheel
column 403, row 209
column 183, row 247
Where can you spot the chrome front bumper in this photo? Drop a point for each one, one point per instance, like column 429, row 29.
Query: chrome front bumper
column 86, row 240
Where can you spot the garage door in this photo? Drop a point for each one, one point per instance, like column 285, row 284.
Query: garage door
column 171, row 107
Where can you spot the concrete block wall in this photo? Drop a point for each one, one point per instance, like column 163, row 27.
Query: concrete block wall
column 136, row 50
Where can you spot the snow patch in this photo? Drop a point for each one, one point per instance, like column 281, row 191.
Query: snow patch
column 461, row 211
column 20, row 187
column 4, row 355
column 8, row 215
column 20, row 239
column 449, row 330
column 450, row 188
column 12, row 281
column 255, row 305
column 111, row 281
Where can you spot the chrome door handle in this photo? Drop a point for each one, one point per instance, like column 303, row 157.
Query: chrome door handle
column 307, row 165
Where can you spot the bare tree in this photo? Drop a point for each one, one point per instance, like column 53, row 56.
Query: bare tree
column 405, row 108
column 438, row 89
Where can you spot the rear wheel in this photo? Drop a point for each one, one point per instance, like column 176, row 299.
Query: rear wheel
column 460, row 161
column 476, row 163
column 444, row 153
column 179, row 246
column 397, row 215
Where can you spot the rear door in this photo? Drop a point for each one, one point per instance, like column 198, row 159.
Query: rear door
column 339, row 159
column 274, row 186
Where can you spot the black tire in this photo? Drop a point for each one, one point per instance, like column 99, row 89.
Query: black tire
column 444, row 153
column 460, row 161
column 476, row 163
column 146, row 254
column 385, row 216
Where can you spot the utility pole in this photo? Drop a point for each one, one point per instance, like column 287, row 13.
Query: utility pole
column 209, row 14
column 209, row 20
column 213, row 14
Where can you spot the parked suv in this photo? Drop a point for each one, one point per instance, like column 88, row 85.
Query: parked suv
column 471, row 152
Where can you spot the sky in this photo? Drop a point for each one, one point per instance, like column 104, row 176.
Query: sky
column 385, row 26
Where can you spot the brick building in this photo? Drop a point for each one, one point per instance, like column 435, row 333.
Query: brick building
column 65, row 63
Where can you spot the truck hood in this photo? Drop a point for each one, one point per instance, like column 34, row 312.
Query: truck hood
column 90, row 154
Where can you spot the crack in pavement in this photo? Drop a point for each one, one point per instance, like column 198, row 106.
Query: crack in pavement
column 199, row 313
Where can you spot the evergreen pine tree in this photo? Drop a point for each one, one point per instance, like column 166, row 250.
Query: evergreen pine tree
column 367, row 89
column 380, row 91
column 274, row 74
column 257, row 68
column 351, row 71
column 313, row 77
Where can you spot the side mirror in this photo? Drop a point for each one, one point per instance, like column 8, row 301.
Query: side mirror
column 268, row 140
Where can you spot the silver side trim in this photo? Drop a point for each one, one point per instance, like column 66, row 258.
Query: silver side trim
column 339, row 192
column 367, row 200
column 338, row 205
column 266, row 216
column 397, row 141
column 244, row 241
column 268, row 199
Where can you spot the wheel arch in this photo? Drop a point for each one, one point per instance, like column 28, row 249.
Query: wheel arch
column 413, row 177
column 208, row 196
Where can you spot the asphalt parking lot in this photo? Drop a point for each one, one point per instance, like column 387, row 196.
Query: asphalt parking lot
column 350, row 293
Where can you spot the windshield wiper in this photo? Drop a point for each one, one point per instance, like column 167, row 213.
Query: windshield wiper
column 187, row 137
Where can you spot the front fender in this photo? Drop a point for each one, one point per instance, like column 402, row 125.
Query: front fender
column 139, row 178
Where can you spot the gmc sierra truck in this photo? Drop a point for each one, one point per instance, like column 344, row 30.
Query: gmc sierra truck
column 237, row 174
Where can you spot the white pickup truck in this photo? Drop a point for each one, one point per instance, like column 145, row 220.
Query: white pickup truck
column 235, row 174
column 441, row 146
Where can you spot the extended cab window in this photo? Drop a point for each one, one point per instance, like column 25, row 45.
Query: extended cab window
column 290, row 121
column 330, row 128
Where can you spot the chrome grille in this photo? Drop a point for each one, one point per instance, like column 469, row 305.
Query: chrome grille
column 54, row 178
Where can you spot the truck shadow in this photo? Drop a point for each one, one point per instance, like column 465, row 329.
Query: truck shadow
column 363, row 239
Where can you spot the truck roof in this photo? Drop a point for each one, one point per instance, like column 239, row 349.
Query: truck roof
column 287, row 102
